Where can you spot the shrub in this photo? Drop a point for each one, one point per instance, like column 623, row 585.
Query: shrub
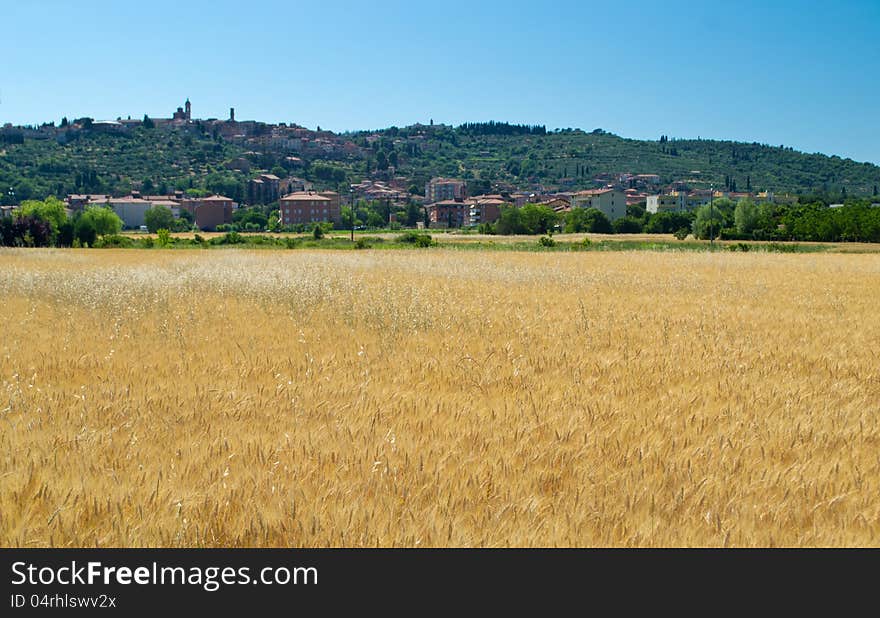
column 318, row 232
column 682, row 233
column 164, row 239
column 361, row 243
column 779, row 247
column 114, row 241
column 546, row 241
column 414, row 238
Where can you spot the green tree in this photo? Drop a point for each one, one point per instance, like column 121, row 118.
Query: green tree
column 745, row 217
column 158, row 217
column 164, row 237
column 84, row 232
column 51, row 210
column 708, row 222
column 587, row 220
column 102, row 219
column 628, row 225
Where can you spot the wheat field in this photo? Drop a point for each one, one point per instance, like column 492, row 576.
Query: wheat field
column 438, row 398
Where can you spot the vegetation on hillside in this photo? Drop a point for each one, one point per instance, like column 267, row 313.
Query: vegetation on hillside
column 484, row 154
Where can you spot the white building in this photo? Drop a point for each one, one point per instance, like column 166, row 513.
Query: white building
column 130, row 209
column 611, row 202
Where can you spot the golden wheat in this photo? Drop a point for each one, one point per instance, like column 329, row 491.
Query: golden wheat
column 438, row 398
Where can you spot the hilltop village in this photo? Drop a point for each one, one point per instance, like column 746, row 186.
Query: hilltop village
column 441, row 202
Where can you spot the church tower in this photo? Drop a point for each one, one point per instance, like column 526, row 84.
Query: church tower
column 188, row 109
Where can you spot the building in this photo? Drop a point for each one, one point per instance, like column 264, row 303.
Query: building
column 669, row 202
column 611, row 202
column 307, row 207
column 484, row 209
column 441, row 189
column 264, row 189
column 183, row 114
column 209, row 212
column 677, row 201
column 130, row 209
column 557, row 203
column 76, row 202
column 447, row 213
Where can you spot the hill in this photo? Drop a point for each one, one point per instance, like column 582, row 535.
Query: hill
column 576, row 158
column 489, row 155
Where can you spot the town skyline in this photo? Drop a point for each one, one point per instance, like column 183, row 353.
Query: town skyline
column 774, row 75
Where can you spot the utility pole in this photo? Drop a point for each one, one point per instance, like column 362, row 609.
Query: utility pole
column 712, row 216
column 351, row 202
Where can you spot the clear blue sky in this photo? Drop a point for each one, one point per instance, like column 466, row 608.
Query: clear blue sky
column 800, row 73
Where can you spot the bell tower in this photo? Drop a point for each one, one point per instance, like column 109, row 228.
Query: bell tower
column 188, row 108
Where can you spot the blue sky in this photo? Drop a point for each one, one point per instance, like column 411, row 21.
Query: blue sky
column 799, row 73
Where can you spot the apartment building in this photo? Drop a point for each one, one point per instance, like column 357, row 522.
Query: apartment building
column 611, row 202
column 306, row 207
column 441, row 189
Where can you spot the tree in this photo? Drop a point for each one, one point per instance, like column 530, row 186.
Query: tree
column 103, row 220
column 148, row 122
column 84, row 232
column 668, row 222
column 628, row 225
column 250, row 216
column 708, row 222
column 158, row 217
column 51, row 210
column 164, row 237
column 745, row 217
column 587, row 220
column 25, row 231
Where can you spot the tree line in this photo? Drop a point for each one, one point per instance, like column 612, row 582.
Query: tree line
column 46, row 224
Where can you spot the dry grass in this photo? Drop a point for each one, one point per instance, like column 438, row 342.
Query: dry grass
column 438, row 398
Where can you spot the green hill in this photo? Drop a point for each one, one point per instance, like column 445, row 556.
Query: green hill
column 535, row 158
column 487, row 154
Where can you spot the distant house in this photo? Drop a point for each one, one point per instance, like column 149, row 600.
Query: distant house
column 677, row 201
column 670, row 202
column 306, row 207
column 76, row 202
column 209, row 212
column 484, row 209
column 557, row 203
column 130, row 209
column 440, row 189
column 447, row 213
column 108, row 126
column 611, row 202
column 264, row 189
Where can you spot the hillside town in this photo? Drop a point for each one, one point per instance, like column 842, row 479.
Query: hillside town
column 446, row 202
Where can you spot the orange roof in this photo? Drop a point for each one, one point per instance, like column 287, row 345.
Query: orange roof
column 302, row 196
column 593, row 191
